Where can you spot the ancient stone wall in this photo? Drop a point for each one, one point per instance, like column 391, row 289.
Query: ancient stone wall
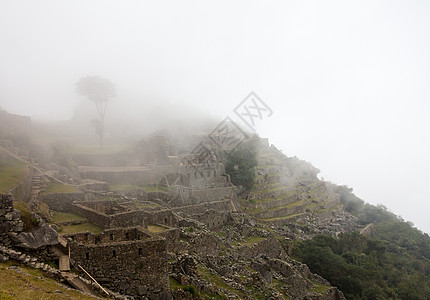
column 110, row 236
column 10, row 222
column 281, row 212
column 95, row 215
column 11, row 124
column 224, row 205
column 213, row 219
column 172, row 237
column 161, row 217
column 190, row 196
column 108, row 207
column 136, row 267
column 61, row 201
column 100, row 219
column 128, row 219
column 277, row 202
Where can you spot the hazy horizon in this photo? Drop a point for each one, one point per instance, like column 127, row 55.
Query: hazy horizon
column 347, row 81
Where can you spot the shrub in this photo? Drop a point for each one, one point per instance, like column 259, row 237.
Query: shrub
column 190, row 289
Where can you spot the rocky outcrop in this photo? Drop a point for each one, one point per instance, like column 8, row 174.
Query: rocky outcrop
column 43, row 236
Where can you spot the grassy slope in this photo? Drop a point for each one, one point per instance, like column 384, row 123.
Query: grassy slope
column 55, row 187
column 12, row 172
column 28, row 283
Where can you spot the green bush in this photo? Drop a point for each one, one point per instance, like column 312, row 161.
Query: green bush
column 240, row 164
column 190, row 289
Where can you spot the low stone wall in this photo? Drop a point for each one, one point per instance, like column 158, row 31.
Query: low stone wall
column 100, row 219
column 124, row 219
column 277, row 202
column 270, row 194
column 224, row 205
column 190, row 196
column 282, row 212
column 128, row 219
column 61, row 201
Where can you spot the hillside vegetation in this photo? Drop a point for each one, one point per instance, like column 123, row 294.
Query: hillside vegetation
column 12, row 172
column 391, row 263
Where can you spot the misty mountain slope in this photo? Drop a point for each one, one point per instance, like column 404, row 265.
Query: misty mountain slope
column 294, row 236
column 288, row 195
column 388, row 260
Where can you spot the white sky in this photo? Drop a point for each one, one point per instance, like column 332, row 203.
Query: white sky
column 348, row 81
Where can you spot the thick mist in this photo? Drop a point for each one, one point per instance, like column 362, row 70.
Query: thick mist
column 347, row 81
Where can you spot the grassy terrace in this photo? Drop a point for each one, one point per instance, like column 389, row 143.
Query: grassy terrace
column 294, row 204
column 140, row 205
column 150, row 188
column 12, row 172
column 250, row 241
column 80, row 228
column 271, row 189
column 123, row 186
column 55, row 187
column 59, row 217
column 29, row 283
column 282, row 218
column 156, row 228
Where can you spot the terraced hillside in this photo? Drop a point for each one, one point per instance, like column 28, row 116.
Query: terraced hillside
column 287, row 191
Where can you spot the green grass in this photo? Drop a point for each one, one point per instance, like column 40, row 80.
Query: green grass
column 250, row 241
column 319, row 288
column 80, row 228
column 205, row 273
column 150, row 188
column 140, row 205
column 55, row 187
column 59, row 217
column 174, row 284
column 283, row 218
column 26, row 216
column 291, row 205
column 277, row 285
column 12, row 172
column 43, row 209
column 32, row 284
column 123, row 186
column 156, row 228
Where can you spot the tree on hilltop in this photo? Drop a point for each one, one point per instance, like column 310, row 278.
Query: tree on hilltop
column 98, row 90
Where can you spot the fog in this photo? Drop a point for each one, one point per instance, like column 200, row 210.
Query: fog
column 348, row 82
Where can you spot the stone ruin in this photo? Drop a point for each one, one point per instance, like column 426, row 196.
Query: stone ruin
column 180, row 192
column 128, row 260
